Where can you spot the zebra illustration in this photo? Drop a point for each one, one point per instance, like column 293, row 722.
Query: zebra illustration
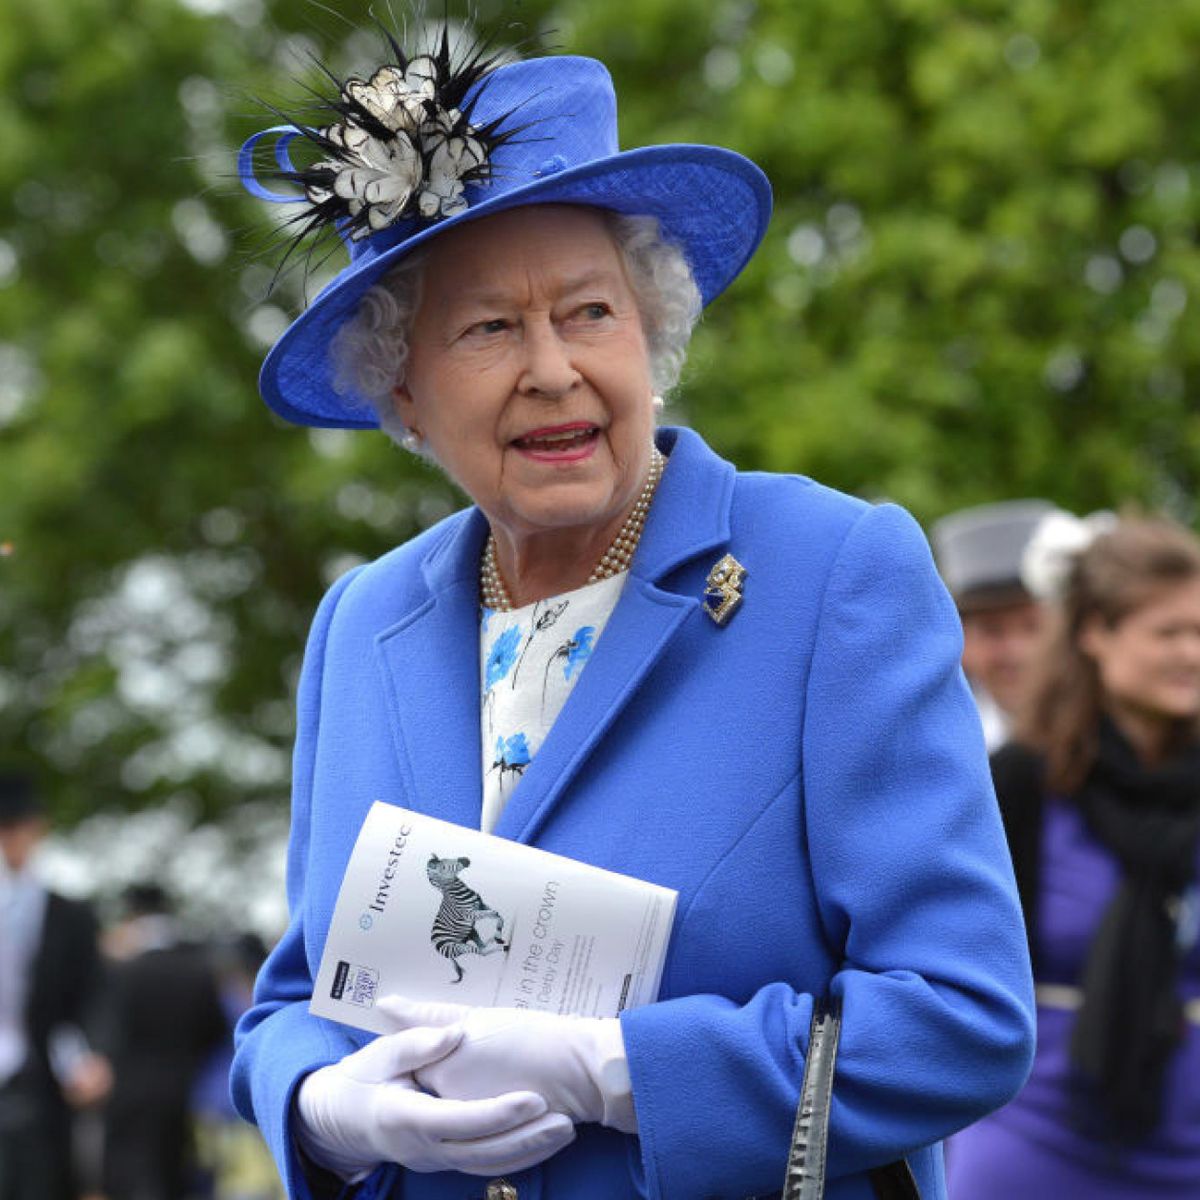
column 455, row 931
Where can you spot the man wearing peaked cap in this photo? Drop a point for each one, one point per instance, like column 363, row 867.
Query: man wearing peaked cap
column 979, row 552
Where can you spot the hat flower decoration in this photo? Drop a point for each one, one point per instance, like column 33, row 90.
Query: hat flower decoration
column 404, row 145
column 398, row 149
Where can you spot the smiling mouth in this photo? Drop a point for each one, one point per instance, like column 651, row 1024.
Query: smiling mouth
column 561, row 439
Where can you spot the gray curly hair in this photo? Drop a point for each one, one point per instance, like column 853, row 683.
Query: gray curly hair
column 369, row 351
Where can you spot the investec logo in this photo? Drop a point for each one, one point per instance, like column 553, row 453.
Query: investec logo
column 383, row 889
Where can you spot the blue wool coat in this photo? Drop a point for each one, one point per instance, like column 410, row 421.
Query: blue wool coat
column 810, row 777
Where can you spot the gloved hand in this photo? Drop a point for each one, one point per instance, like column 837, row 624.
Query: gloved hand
column 368, row 1109
column 577, row 1063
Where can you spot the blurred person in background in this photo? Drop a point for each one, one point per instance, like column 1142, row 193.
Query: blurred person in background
column 1100, row 791
column 236, row 1164
column 979, row 554
column 161, row 1018
column 49, row 976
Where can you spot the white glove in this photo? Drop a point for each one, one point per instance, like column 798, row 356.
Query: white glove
column 368, row 1109
column 577, row 1063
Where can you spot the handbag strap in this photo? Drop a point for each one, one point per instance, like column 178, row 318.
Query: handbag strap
column 805, row 1179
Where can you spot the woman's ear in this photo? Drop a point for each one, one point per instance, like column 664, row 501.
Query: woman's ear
column 402, row 402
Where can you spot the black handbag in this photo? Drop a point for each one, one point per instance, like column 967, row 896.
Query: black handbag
column 805, row 1178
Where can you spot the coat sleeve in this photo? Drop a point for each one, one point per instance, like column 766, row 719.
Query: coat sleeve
column 916, row 897
column 278, row 1041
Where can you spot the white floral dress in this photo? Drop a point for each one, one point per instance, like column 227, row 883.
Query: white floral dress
column 530, row 659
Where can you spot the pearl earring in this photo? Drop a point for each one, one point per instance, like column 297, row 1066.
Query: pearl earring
column 412, row 441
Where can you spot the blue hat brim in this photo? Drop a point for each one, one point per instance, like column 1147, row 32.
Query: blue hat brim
column 713, row 203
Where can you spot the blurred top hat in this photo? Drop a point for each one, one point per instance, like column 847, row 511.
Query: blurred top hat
column 19, row 799
column 146, row 900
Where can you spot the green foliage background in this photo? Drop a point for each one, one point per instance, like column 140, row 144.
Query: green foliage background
column 980, row 283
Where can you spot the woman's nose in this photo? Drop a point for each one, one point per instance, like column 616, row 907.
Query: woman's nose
column 548, row 369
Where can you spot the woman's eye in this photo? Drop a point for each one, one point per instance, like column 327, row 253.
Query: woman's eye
column 596, row 311
column 493, row 325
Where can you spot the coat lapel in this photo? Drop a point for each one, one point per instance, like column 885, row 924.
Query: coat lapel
column 689, row 517
column 430, row 662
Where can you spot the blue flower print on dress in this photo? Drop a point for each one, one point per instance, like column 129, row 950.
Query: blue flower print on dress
column 512, row 751
column 485, row 615
column 502, row 656
column 512, row 755
column 579, row 650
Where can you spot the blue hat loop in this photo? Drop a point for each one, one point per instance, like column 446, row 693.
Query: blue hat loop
column 285, row 135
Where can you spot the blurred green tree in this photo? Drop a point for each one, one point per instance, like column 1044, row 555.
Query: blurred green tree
column 977, row 285
column 164, row 537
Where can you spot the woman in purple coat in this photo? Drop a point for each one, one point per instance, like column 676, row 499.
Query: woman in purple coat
column 1101, row 798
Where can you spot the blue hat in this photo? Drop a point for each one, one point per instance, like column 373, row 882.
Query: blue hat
column 549, row 126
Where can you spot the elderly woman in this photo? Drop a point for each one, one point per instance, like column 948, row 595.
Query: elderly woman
column 742, row 687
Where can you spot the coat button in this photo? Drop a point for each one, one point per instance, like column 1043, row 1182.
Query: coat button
column 501, row 1189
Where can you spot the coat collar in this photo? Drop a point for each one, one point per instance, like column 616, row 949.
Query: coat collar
column 431, row 658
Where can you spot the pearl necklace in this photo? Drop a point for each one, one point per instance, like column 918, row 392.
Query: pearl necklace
column 612, row 562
